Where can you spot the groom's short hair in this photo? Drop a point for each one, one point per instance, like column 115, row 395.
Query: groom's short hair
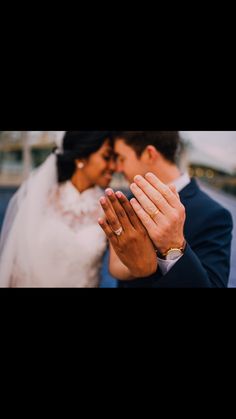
column 166, row 142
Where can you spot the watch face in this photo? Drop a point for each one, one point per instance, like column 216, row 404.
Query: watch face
column 174, row 254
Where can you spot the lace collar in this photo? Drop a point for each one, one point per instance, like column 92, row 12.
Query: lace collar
column 72, row 201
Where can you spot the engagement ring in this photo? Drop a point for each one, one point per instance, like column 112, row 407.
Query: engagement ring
column 119, row 232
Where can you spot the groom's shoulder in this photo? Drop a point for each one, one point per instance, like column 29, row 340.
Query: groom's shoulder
column 203, row 205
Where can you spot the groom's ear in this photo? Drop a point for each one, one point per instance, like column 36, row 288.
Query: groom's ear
column 151, row 154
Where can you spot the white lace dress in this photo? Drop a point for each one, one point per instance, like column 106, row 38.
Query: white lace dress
column 70, row 244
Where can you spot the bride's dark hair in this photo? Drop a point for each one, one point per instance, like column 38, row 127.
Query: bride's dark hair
column 77, row 145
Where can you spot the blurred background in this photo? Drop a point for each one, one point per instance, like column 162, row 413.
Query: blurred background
column 210, row 156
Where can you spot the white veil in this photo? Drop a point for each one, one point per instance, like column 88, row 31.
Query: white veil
column 22, row 221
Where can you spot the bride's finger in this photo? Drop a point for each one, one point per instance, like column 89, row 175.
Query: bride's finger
column 119, row 210
column 108, row 231
column 129, row 210
column 110, row 214
column 110, row 205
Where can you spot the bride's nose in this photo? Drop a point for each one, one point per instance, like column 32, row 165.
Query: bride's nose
column 112, row 165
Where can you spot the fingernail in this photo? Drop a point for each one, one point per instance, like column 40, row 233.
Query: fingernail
column 109, row 192
column 119, row 194
column 148, row 175
column 138, row 178
column 103, row 200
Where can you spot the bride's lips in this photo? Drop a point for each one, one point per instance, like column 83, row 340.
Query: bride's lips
column 108, row 176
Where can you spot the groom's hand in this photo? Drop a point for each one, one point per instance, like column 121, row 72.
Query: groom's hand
column 160, row 210
column 127, row 235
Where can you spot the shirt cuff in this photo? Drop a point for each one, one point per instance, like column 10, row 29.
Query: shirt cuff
column 166, row 265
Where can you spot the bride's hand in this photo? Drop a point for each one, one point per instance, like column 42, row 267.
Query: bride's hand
column 127, row 235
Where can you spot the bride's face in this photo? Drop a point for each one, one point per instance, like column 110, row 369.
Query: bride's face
column 101, row 166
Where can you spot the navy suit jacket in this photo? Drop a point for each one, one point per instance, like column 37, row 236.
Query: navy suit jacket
column 206, row 262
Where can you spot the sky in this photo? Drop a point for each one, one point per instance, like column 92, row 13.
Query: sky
column 219, row 147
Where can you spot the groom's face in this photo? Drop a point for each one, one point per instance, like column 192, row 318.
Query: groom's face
column 128, row 163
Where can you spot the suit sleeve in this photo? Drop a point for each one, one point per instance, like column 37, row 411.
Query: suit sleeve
column 207, row 263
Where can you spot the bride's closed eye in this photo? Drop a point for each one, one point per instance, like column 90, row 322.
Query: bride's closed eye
column 107, row 158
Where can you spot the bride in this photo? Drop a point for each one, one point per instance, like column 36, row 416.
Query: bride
column 51, row 237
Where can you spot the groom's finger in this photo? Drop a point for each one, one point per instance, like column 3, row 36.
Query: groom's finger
column 164, row 190
column 148, row 204
column 174, row 190
column 161, row 195
column 147, row 222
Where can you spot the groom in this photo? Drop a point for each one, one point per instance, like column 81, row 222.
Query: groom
column 191, row 233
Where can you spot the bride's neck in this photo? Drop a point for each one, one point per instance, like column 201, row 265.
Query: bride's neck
column 80, row 183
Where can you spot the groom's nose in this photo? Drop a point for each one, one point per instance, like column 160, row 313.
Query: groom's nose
column 119, row 167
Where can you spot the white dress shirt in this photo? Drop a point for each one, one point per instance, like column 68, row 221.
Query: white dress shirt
column 167, row 265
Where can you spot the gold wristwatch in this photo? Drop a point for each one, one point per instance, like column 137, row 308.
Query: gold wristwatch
column 173, row 253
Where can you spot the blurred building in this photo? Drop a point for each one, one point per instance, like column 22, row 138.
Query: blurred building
column 211, row 170
column 22, row 151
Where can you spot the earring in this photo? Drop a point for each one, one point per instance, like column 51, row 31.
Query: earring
column 80, row 165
